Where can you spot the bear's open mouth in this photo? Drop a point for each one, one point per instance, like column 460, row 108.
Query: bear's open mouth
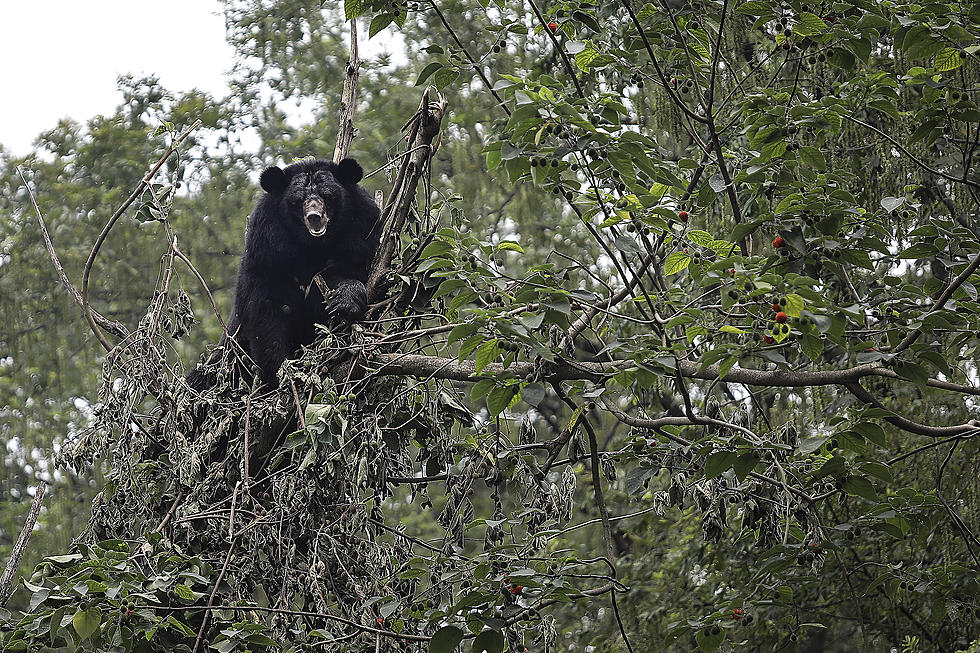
column 315, row 216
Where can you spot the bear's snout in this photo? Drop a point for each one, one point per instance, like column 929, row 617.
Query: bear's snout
column 315, row 216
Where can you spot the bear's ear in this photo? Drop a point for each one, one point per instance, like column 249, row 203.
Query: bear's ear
column 273, row 180
column 349, row 172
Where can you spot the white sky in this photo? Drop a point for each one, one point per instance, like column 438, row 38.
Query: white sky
column 61, row 57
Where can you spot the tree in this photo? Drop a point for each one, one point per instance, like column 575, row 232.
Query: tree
column 708, row 340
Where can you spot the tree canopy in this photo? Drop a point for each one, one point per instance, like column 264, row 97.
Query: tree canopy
column 672, row 340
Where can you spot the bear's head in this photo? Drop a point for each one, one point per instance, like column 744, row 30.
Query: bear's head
column 314, row 193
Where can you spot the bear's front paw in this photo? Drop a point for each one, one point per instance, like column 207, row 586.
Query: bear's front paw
column 345, row 309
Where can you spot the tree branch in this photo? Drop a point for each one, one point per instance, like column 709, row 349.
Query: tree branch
column 423, row 130
column 7, row 579
column 348, row 102
column 113, row 327
column 144, row 182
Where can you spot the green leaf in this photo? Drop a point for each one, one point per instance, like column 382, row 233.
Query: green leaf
column 500, row 398
column 448, row 286
column 86, row 622
column 879, row 470
column 461, row 331
column 427, row 72
column 444, row 78
column 584, row 58
column 919, row 250
column 445, row 640
column 726, row 365
column 511, row 246
column 745, row 464
column 718, row 462
column 676, row 262
column 871, row 431
column 486, row 354
column 812, row 157
column 794, row 305
column 947, row 59
column 489, row 641
column 728, row 328
column 700, row 237
column 437, row 248
column 379, row 22
column 915, row 373
column 754, row 8
column 809, row 25
column 352, row 9
column 812, row 346
column 482, row 388
column 860, row 486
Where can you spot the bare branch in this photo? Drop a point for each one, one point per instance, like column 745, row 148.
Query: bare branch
column 113, row 327
column 423, row 130
column 144, row 182
column 348, row 102
column 7, row 579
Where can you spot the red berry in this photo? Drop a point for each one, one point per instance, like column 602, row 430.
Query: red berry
column 682, row 216
column 380, row 622
column 553, row 27
column 516, row 589
column 778, row 242
column 781, row 317
column 768, row 340
column 775, row 308
column 738, row 612
column 732, row 272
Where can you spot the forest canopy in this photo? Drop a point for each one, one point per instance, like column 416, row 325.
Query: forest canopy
column 671, row 340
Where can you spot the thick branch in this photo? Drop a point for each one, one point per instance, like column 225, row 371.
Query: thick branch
column 909, row 425
column 423, row 130
column 348, row 102
column 450, row 368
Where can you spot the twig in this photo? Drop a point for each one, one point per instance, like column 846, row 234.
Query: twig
column 348, row 102
column 451, row 368
column 7, row 579
column 912, row 157
column 469, row 57
column 596, row 477
column 558, row 48
column 113, row 327
column 170, row 512
column 660, row 72
column 224, row 568
column 940, row 302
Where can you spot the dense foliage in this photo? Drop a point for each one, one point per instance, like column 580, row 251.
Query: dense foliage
column 673, row 347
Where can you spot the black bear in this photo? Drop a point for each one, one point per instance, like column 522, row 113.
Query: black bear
column 314, row 218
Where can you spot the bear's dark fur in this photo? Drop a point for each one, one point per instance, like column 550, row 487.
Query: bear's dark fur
column 314, row 218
